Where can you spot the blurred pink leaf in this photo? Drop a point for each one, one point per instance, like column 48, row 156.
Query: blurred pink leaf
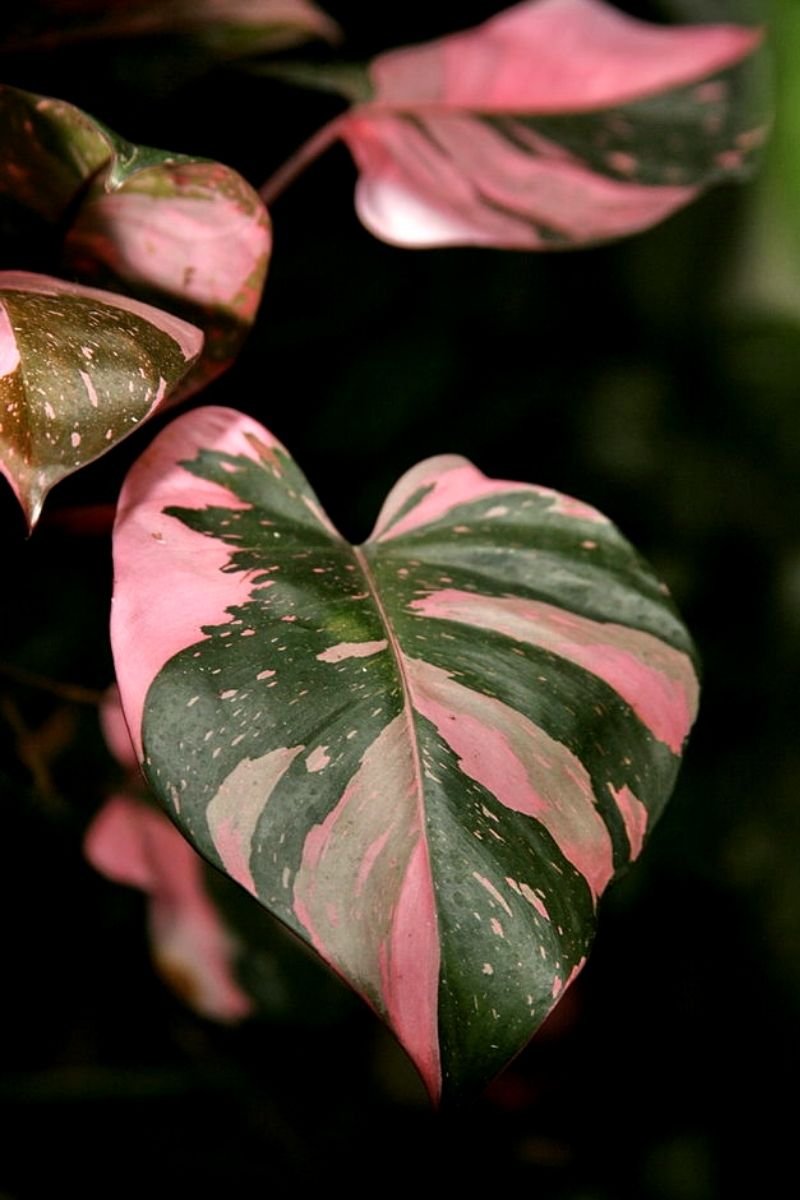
column 80, row 369
column 130, row 842
column 556, row 123
column 213, row 945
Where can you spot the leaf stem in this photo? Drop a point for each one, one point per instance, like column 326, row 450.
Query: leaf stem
column 66, row 691
column 297, row 163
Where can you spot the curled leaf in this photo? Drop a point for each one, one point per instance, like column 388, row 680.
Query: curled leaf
column 554, row 124
column 185, row 234
column 190, row 235
column 130, row 842
column 428, row 755
column 79, row 370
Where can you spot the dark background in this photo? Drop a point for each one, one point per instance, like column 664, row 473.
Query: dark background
column 658, row 379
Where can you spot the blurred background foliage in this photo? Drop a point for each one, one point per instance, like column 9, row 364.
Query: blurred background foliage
column 659, row 379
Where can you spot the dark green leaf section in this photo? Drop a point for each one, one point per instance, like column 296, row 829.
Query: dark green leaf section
column 238, row 27
column 693, row 136
column 495, row 987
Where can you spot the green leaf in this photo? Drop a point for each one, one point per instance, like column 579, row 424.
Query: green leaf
column 428, row 756
column 79, row 370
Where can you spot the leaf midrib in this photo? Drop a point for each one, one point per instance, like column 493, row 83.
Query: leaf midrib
column 397, row 653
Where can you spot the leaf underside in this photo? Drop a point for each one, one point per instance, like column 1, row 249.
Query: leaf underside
column 427, row 756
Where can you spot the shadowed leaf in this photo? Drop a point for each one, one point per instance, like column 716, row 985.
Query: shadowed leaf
column 225, row 27
column 131, row 843
column 213, row 945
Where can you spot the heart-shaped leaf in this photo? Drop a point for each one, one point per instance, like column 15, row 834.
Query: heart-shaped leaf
column 79, row 370
column 186, row 234
column 429, row 755
column 556, row 123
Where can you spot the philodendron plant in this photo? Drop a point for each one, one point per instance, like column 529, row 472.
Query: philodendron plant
column 429, row 755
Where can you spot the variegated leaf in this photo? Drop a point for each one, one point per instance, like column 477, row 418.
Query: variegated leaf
column 428, row 756
column 186, row 234
column 79, row 370
column 557, row 123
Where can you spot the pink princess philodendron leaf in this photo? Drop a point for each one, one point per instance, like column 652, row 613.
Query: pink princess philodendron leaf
column 428, row 756
column 557, row 123
column 80, row 369
column 186, row 234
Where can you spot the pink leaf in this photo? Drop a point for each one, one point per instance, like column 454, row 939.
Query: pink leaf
column 192, row 234
column 537, row 130
column 129, row 842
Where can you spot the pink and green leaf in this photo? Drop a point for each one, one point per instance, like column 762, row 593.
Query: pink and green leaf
column 80, row 369
column 428, row 755
column 556, row 123
column 185, row 234
column 192, row 236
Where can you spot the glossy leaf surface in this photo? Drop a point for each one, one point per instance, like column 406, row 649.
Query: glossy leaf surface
column 556, row 123
column 428, row 756
column 79, row 370
column 186, row 234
